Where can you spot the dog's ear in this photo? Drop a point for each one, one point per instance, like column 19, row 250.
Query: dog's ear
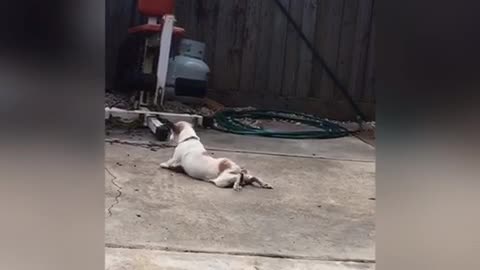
column 179, row 126
column 172, row 136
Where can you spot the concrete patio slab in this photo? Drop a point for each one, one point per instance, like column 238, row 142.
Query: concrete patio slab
column 319, row 209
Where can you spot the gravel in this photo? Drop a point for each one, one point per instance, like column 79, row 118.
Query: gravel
column 123, row 101
column 353, row 126
column 178, row 107
column 118, row 100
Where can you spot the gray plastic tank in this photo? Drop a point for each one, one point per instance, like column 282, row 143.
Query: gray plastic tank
column 187, row 72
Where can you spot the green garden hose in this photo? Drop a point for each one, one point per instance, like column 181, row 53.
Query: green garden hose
column 229, row 121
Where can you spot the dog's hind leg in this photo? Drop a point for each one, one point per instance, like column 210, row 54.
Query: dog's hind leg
column 225, row 180
column 262, row 184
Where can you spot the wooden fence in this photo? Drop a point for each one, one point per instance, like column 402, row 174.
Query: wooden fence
column 258, row 59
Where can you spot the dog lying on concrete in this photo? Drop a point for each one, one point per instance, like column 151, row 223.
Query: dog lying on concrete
column 191, row 156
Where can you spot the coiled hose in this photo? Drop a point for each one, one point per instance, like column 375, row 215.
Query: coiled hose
column 229, row 121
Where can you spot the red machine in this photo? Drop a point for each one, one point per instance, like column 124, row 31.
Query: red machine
column 151, row 82
column 158, row 32
column 155, row 10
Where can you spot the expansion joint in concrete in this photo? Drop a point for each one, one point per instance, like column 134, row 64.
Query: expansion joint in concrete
column 150, row 144
column 240, row 253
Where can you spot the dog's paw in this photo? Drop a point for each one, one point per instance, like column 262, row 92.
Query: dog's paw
column 237, row 188
column 164, row 165
column 265, row 185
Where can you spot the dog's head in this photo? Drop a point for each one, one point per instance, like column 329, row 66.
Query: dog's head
column 181, row 131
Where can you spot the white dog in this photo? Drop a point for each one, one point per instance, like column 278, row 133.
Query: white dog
column 191, row 156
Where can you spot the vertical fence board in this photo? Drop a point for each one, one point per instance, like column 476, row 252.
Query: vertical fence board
column 120, row 15
column 277, row 56
column 305, row 57
column 186, row 15
column 250, row 40
column 207, row 28
column 181, row 12
column 110, row 50
column 327, row 36
column 361, row 43
column 292, row 50
column 346, row 46
column 237, row 50
column 223, row 44
column 264, row 49
column 369, row 88
column 228, row 47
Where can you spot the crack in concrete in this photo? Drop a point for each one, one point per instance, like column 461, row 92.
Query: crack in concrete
column 119, row 190
column 150, row 144
column 242, row 253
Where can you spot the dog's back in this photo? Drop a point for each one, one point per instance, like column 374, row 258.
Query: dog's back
column 195, row 160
